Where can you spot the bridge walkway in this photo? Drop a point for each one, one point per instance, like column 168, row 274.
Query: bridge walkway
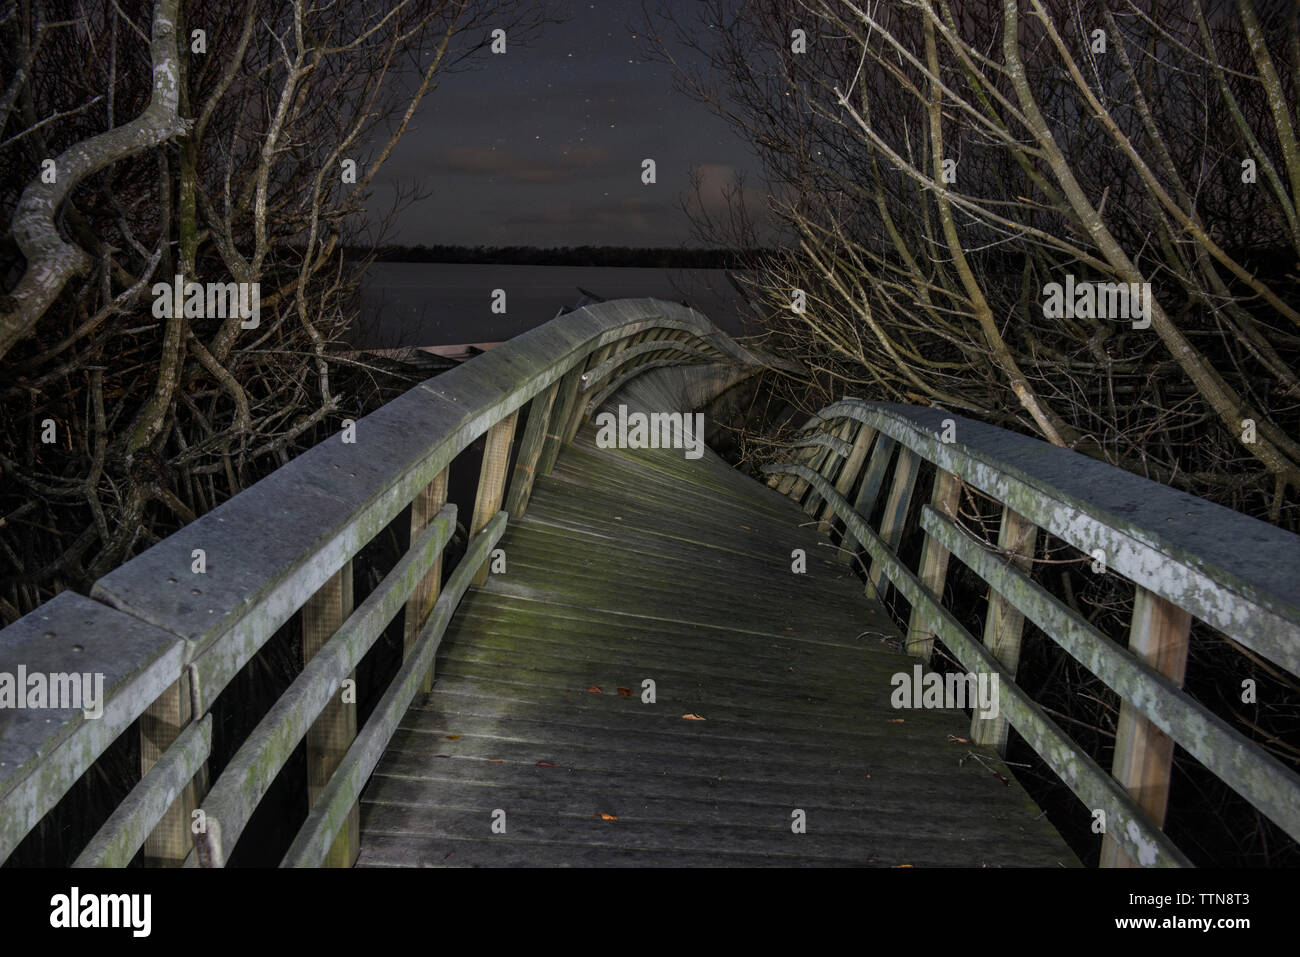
column 771, row 695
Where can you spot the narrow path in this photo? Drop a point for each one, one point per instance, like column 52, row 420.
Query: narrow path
column 642, row 565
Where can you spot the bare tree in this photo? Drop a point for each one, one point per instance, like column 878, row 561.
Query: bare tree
column 227, row 149
column 938, row 165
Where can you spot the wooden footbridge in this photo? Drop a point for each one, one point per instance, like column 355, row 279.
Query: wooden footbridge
column 642, row 657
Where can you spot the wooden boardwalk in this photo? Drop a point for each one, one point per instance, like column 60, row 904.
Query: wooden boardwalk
column 635, row 565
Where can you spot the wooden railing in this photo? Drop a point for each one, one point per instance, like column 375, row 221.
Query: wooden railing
column 171, row 628
column 1185, row 557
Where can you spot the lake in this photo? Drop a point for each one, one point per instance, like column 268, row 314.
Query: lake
column 437, row 304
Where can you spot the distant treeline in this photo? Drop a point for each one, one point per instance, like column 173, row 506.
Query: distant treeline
column 649, row 257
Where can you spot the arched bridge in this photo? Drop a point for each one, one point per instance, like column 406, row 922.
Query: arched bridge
column 641, row 655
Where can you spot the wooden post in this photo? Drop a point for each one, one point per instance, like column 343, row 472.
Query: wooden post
column 563, row 408
column 852, row 466
column 574, row 421
column 933, row 570
column 423, row 509
column 171, row 840
column 1144, row 754
column 891, row 523
column 828, row 471
column 815, row 462
column 872, row 482
column 492, row 481
column 530, row 450
column 1003, row 624
column 332, row 734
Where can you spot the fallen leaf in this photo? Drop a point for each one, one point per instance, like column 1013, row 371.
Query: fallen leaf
column 897, row 720
column 545, row 764
column 607, row 817
column 902, row 865
column 495, row 760
column 694, row 717
column 594, row 690
column 1001, row 778
column 625, row 692
column 956, row 740
column 746, row 528
column 453, row 737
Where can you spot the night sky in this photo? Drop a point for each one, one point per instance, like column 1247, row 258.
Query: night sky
column 542, row 146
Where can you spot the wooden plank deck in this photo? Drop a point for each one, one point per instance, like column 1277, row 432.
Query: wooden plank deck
column 634, row 565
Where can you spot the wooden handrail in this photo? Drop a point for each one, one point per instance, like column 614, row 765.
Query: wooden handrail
column 1186, row 557
column 169, row 638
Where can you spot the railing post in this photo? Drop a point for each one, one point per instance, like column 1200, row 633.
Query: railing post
column 332, row 734
column 171, row 840
column 828, row 471
column 891, row 523
column 530, row 451
column 560, row 413
column 1003, row 624
column 933, row 570
column 574, row 420
column 865, row 503
column 1144, row 754
column 852, row 466
column 423, row 509
column 492, row 481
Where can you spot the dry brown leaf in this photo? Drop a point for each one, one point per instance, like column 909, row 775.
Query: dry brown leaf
column 897, row 720
column 592, row 689
column 625, row 692
column 694, row 717
column 956, row 740
column 607, row 817
column 545, row 764
column 453, row 737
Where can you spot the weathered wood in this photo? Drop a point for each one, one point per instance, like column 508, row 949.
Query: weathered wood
column 1076, row 769
column 160, row 726
column 579, row 408
column 423, row 510
column 839, row 451
column 43, row 752
column 894, row 518
column 127, row 828
column 869, row 491
column 565, row 399
column 312, row 844
column 1144, row 754
column 1257, row 776
column 333, row 731
column 1003, row 622
column 252, row 770
column 1183, row 548
column 852, row 467
column 613, row 580
column 530, row 451
column 933, row 568
column 492, row 480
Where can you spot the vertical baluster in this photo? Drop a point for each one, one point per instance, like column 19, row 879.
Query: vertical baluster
column 492, row 480
column 865, row 503
column 933, row 570
column 530, row 451
column 895, row 515
column 332, row 734
column 1003, row 624
column 426, row 505
column 852, row 467
column 564, row 400
column 170, row 841
column 1144, row 755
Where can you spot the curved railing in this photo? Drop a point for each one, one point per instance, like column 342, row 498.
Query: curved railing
column 169, row 629
column 1185, row 556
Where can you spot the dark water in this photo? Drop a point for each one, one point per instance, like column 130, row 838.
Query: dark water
column 434, row 304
